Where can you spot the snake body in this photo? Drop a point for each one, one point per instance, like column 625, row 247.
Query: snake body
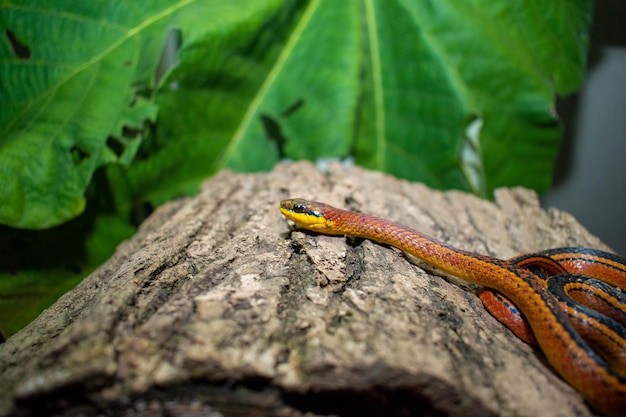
column 548, row 318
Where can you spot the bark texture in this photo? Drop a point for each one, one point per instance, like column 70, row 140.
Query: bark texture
column 217, row 307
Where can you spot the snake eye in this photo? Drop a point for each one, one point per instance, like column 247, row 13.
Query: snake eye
column 300, row 208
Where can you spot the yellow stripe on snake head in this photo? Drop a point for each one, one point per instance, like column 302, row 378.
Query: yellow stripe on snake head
column 307, row 214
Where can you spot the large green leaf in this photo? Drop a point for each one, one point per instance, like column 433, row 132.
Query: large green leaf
column 70, row 75
column 454, row 94
column 469, row 101
column 458, row 95
column 293, row 75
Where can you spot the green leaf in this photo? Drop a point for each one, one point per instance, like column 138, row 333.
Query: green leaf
column 469, row 101
column 456, row 95
column 70, row 74
column 285, row 70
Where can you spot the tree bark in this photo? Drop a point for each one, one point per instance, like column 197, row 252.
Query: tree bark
column 218, row 307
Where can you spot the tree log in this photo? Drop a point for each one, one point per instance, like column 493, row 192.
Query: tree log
column 218, row 307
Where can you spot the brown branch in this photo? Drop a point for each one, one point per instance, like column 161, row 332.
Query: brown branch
column 217, row 307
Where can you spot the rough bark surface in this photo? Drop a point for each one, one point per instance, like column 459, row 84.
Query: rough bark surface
column 217, row 307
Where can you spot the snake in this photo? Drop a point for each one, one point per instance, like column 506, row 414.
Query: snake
column 543, row 290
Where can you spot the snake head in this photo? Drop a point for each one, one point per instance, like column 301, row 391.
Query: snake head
column 306, row 214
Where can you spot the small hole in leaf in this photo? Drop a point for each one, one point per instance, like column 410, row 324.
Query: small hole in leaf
column 78, row 154
column 131, row 133
column 272, row 130
column 20, row 50
column 116, row 146
column 293, row 108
